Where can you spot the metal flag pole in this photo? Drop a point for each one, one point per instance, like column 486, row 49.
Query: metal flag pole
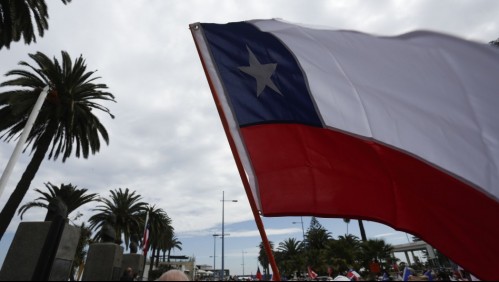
column 195, row 30
column 24, row 136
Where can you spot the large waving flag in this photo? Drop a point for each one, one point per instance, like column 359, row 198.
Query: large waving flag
column 406, row 125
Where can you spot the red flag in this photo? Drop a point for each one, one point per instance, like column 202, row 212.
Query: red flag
column 316, row 118
column 330, row 271
column 353, row 275
column 311, row 273
column 258, row 274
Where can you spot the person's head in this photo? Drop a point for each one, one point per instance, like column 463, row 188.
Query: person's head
column 129, row 271
column 173, row 275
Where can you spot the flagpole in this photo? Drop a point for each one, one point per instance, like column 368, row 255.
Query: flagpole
column 259, row 223
column 24, row 136
column 143, row 246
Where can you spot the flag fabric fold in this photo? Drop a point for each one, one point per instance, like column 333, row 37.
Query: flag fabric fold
column 406, row 125
column 311, row 273
column 353, row 275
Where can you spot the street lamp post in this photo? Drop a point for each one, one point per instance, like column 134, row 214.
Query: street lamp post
column 223, row 232
column 302, row 229
column 214, row 249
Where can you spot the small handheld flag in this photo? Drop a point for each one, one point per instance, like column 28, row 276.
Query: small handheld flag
column 258, row 274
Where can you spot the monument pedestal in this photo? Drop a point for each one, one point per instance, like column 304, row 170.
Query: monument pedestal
column 135, row 261
column 26, row 248
column 103, row 262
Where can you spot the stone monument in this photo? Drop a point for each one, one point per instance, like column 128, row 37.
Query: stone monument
column 26, row 249
column 104, row 259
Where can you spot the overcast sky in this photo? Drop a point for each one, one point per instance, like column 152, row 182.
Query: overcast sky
column 166, row 141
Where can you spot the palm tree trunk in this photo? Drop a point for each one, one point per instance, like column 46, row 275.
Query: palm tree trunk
column 362, row 231
column 153, row 251
column 157, row 258
column 23, row 185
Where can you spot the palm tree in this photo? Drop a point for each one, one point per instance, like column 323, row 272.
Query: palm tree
column 290, row 247
column 66, row 120
column 264, row 260
column 159, row 224
column 375, row 249
column 290, row 254
column 345, row 250
column 16, row 20
column 69, row 194
column 127, row 208
column 172, row 244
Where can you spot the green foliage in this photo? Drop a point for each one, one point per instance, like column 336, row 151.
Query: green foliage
column 128, row 209
column 69, row 194
column 263, row 259
column 321, row 251
column 68, row 108
column 22, row 19
column 66, row 123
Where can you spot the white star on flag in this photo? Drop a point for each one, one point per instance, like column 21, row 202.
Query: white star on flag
column 261, row 72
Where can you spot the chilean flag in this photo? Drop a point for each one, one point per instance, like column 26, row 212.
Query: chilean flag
column 311, row 273
column 406, row 125
column 259, row 276
column 353, row 275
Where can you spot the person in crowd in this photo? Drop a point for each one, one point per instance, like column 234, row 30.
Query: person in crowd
column 173, row 275
column 127, row 274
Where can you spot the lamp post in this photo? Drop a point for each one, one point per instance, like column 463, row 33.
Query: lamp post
column 243, row 252
column 223, row 232
column 302, row 229
column 214, row 249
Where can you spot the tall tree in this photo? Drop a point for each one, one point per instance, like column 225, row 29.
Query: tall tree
column 290, row 254
column 173, row 243
column 375, row 249
column 20, row 18
column 263, row 259
column 317, row 236
column 344, row 252
column 160, row 224
column 316, row 241
column 69, row 194
column 127, row 207
column 66, row 120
